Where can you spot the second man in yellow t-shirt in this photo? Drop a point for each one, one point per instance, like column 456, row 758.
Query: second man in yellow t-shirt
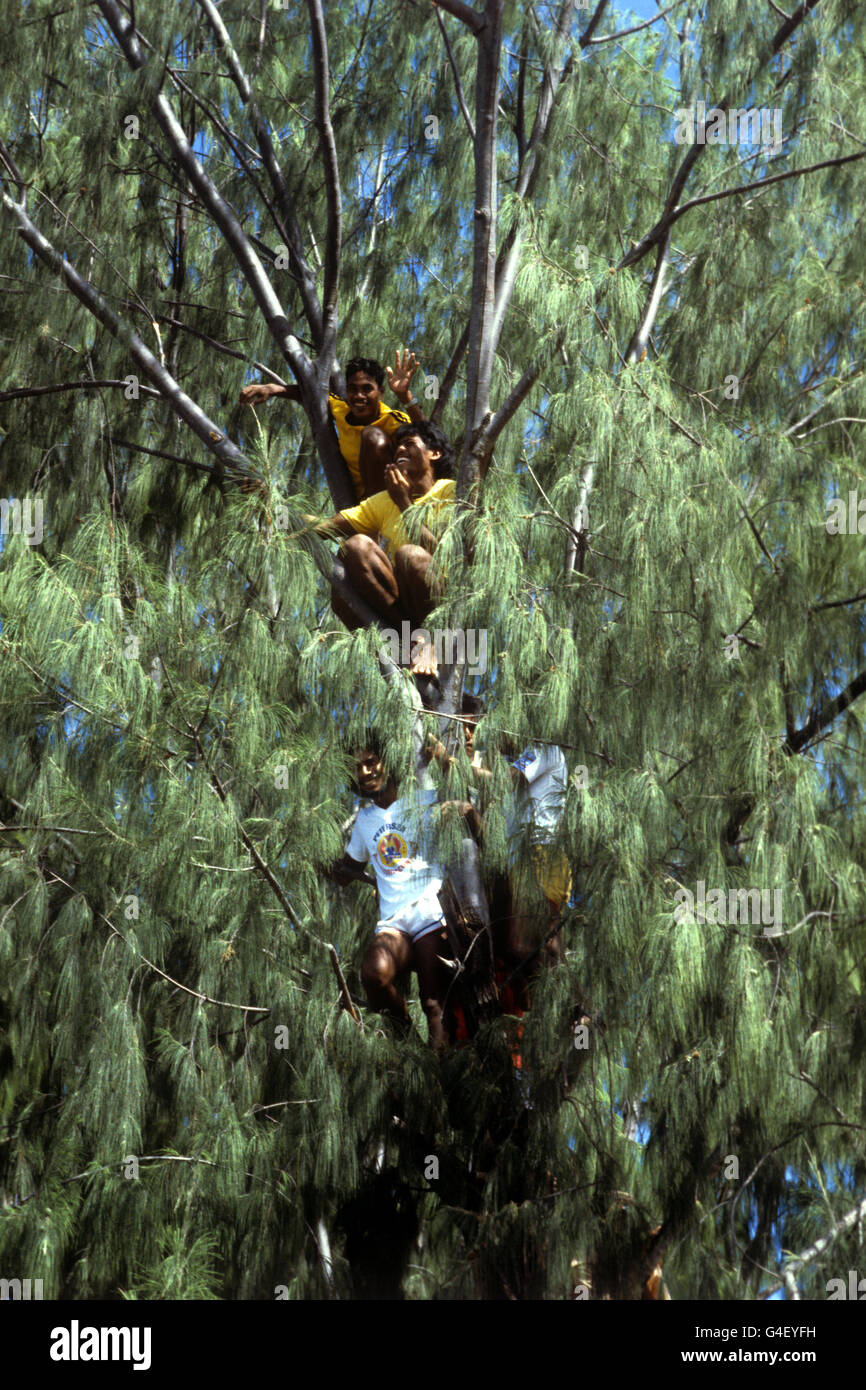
column 392, row 536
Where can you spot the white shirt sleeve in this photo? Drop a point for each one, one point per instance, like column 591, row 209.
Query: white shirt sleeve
column 556, row 762
column 532, row 763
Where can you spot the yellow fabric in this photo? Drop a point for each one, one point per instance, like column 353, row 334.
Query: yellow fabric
column 379, row 517
column 350, row 435
column 549, row 875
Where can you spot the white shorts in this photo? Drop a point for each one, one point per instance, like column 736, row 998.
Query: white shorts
column 414, row 930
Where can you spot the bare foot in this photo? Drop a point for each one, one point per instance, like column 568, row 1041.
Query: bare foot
column 423, row 660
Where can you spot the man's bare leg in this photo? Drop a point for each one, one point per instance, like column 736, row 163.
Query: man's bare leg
column 376, row 451
column 388, row 956
column 419, row 595
column 509, row 936
column 371, row 575
column 516, row 939
column 554, row 954
column 433, row 980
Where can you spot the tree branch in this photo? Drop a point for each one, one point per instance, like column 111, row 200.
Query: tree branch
column 530, row 164
column 795, row 743
column 520, row 108
column 229, row 456
column 458, row 85
column 310, row 382
column 612, row 38
column 237, row 146
column 7, row 159
column 841, row 1227
column 448, row 380
column 586, row 37
column 300, row 267
column 160, row 453
column 838, row 602
column 469, row 17
column 783, row 33
column 760, row 183
column 576, row 544
column 20, row 391
column 222, row 214
column 840, row 420
column 345, row 996
column 515, row 398
column 327, row 347
column 640, row 337
column 826, row 713
column 482, row 344
column 196, row 994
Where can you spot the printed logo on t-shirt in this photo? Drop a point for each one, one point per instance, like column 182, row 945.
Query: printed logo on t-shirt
column 392, row 851
column 527, row 757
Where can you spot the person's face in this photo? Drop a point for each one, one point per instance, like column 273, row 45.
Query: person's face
column 469, row 736
column 364, row 397
column 371, row 773
column 415, row 461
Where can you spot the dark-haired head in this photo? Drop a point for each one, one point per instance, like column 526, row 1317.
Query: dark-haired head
column 434, row 439
column 368, row 367
column 471, row 707
column 370, row 771
column 371, row 742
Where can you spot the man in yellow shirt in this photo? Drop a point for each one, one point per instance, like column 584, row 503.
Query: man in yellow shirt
column 392, row 536
column 365, row 425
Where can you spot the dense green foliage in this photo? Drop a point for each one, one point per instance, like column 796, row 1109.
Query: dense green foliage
column 186, row 1109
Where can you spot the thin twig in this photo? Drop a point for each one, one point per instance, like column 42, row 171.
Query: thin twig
column 457, row 83
column 611, row 38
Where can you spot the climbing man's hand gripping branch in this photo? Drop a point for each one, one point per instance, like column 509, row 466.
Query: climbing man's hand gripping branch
column 259, row 391
column 348, row 870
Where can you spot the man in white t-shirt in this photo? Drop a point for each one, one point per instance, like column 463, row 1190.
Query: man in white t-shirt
column 535, row 868
column 392, row 834
column 539, row 793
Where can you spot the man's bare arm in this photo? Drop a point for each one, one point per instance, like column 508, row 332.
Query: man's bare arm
column 397, row 487
column 330, row 526
column 467, row 811
column 348, row 870
column 259, row 391
column 437, row 751
column 335, row 525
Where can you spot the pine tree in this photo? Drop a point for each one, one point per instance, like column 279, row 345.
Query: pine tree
column 641, row 319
